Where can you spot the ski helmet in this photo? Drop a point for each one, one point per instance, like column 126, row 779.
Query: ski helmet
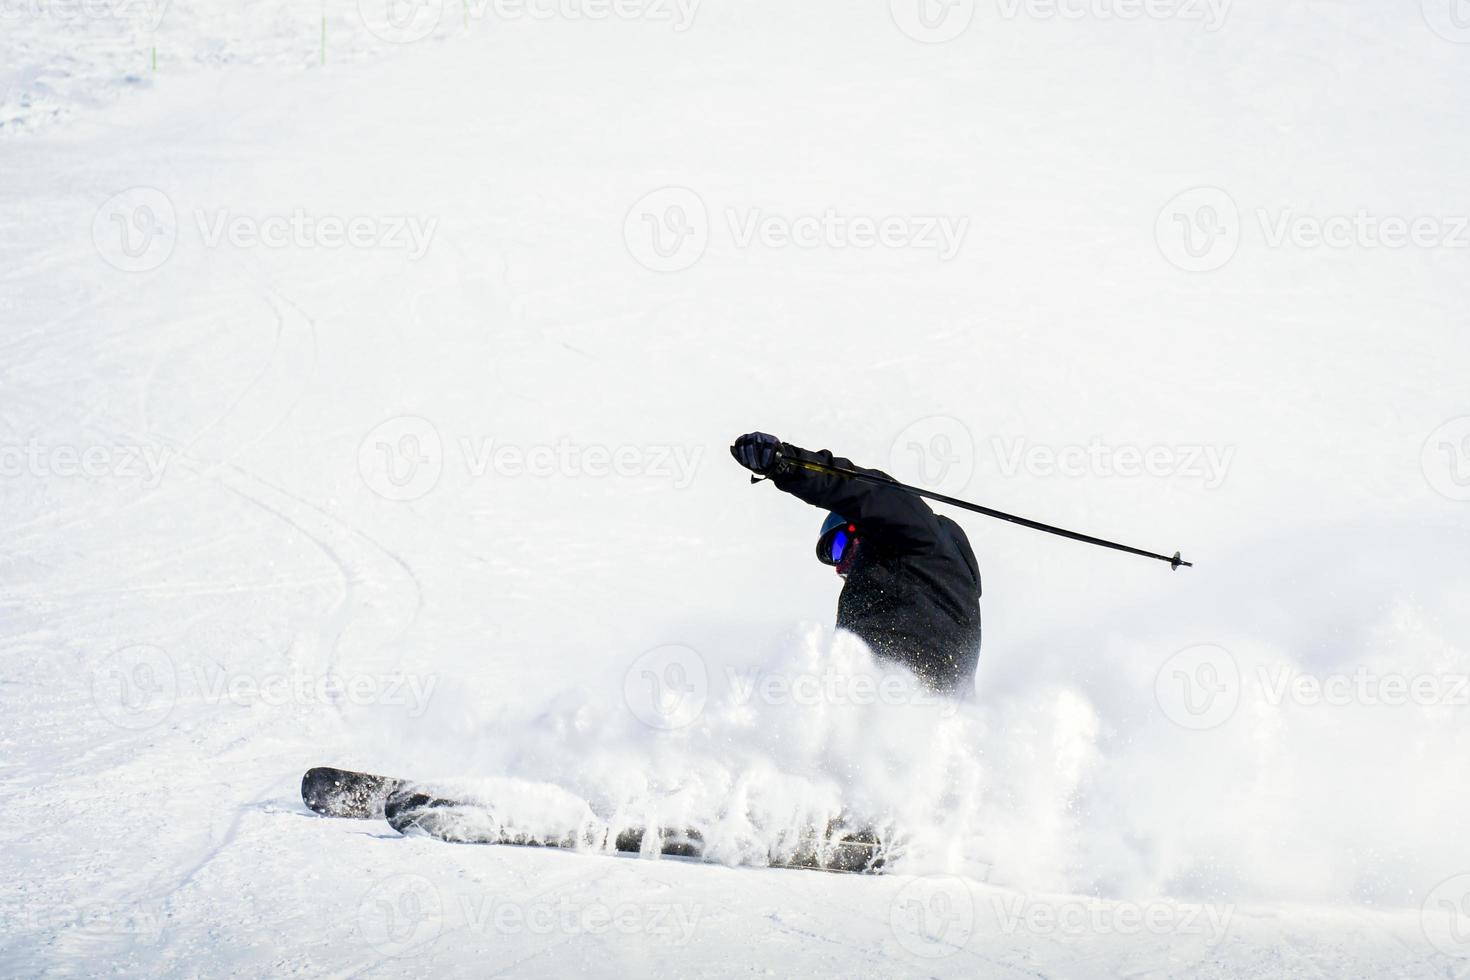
column 837, row 536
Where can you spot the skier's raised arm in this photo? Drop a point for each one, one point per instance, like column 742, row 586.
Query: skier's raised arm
column 894, row 519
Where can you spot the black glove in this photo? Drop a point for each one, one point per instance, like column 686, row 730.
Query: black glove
column 757, row 452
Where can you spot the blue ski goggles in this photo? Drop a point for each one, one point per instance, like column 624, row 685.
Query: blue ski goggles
column 836, row 538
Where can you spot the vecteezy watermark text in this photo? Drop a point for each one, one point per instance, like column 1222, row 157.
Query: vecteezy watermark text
column 670, row 229
column 140, row 686
column 1083, row 916
column 402, row 914
column 147, row 12
column 218, row 687
column 1201, row 687
column 1362, row 686
column 1211, row 13
column 408, row 21
column 404, row 458
column 139, row 921
column 1363, row 229
column 677, row 13
column 941, row 234
column 408, row 233
column 833, row 687
column 1202, row 229
column 138, row 230
column 669, row 922
column 570, row 459
column 145, row 464
column 1207, row 464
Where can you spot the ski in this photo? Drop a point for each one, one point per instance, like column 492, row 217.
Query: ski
column 414, row 811
column 344, row 793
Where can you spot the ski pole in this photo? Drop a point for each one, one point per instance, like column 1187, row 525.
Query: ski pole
column 1174, row 562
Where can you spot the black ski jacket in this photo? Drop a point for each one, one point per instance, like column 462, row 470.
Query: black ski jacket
column 913, row 593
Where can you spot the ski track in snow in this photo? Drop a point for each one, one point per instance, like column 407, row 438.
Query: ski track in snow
column 360, row 564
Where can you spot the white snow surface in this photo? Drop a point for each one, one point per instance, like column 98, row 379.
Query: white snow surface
column 454, row 501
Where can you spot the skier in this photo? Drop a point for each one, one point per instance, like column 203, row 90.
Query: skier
column 911, row 583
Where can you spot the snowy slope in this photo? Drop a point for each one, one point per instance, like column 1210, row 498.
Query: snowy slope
column 366, row 404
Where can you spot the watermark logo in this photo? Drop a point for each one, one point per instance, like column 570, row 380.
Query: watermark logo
column 136, row 230
column 933, row 916
column 400, row 21
column 833, row 687
column 1076, row 917
column 403, row 915
column 667, row 687
column 667, row 230
column 1199, row 687
column 1363, row 686
column 943, row 235
column 144, row 13
column 400, row 915
column 936, row 453
column 402, row 459
column 1362, row 229
column 661, row 922
column 1199, row 230
column 136, row 687
column 932, row 21
column 1450, row 19
column 1445, row 916
column 1211, row 13
column 677, row 13
column 407, row 233
column 670, row 229
column 144, row 464
column 275, row 689
column 140, row 923
column 1445, row 459
column 1208, row 465
column 677, row 464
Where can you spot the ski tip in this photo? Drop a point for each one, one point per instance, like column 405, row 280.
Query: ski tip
column 343, row 793
column 314, row 783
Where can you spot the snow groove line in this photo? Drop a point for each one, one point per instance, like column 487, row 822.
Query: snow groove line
column 231, row 833
column 349, row 574
column 1420, row 957
column 590, row 877
column 45, row 331
column 234, row 405
column 48, row 522
column 10, row 596
column 807, row 900
column 302, row 323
